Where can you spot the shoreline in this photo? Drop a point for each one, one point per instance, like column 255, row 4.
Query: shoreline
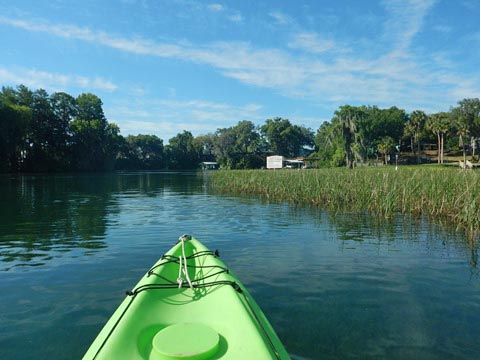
column 445, row 193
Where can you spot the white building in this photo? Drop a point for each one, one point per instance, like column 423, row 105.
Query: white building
column 279, row 162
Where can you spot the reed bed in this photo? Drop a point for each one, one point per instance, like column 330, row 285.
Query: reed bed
column 450, row 194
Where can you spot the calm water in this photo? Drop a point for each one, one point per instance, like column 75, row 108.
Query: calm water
column 332, row 286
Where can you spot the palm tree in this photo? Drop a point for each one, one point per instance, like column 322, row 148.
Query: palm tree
column 439, row 124
column 386, row 146
column 467, row 116
column 463, row 129
column 409, row 131
column 417, row 121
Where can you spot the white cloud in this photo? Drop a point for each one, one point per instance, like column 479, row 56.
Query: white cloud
column 136, row 45
column 101, row 84
column 311, row 42
column 52, row 81
column 215, row 7
column 405, row 20
column 237, row 18
column 280, row 18
column 135, row 127
column 230, row 15
column 166, row 118
column 323, row 72
column 138, row 91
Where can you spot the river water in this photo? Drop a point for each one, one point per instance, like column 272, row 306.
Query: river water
column 333, row 286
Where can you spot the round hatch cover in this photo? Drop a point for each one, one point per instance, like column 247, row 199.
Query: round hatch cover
column 186, row 341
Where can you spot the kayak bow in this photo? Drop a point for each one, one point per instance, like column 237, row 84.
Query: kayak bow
column 189, row 305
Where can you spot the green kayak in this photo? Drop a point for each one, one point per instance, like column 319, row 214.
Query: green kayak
column 189, row 305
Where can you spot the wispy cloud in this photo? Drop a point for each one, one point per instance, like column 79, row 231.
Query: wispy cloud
column 235, row 17
column 239, row 60
column 395, row 73
column 166, row 117
column 311, row 42
column 215, row 7
column 52, row 81
column 280, row 18
column 136, row 45
column 230, row 14
column 405, row 20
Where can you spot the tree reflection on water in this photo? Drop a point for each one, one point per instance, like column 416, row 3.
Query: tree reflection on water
column 44, row 216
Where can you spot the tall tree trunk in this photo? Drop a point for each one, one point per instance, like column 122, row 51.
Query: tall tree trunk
column 474, row 145
column 464, row 151
column 442, row 147
column 417, row 139
column 347, row 136
column 438, row 148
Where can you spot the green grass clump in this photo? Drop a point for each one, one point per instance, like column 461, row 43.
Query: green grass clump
column 446, row 193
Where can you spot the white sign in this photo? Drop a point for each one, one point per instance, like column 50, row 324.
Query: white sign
column 274, row 162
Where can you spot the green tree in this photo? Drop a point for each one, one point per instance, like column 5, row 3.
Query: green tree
column 90, row 107
column 349, row 117
column 439, row 124
column 237, row 147
column 467, row 118
column 330, row 149
column 94, row 141
column 286, row 139
column 224, row 147
column 385, row 147
column 64, row 109
column 375, row 125
column 144, row 152
column 87, row 151
column 41, row 137
column 409, row 132
column 206, row 144
column 24, row 96
column 9, row 96
column 246, row 137
column 463, row 127
column 94, row 145
column 182, row 151
column 111, row 144
column 417, row 122
column 14, row 120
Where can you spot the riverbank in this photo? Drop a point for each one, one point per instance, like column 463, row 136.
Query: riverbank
column 438, row 192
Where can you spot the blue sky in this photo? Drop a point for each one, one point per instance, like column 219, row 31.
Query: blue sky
column 163, row 66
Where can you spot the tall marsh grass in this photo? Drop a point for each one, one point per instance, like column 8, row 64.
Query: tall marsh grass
column 448, row 194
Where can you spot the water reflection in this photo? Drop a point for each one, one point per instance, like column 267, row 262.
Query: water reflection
column 42, row 217
column 357, row 228
column 39, row 214
column 333, row 285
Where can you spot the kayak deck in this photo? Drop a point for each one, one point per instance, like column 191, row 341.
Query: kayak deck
column 210, row 316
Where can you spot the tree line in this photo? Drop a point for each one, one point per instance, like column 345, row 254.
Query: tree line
column 357, row 134
column 44, row 133
column 41, row 132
